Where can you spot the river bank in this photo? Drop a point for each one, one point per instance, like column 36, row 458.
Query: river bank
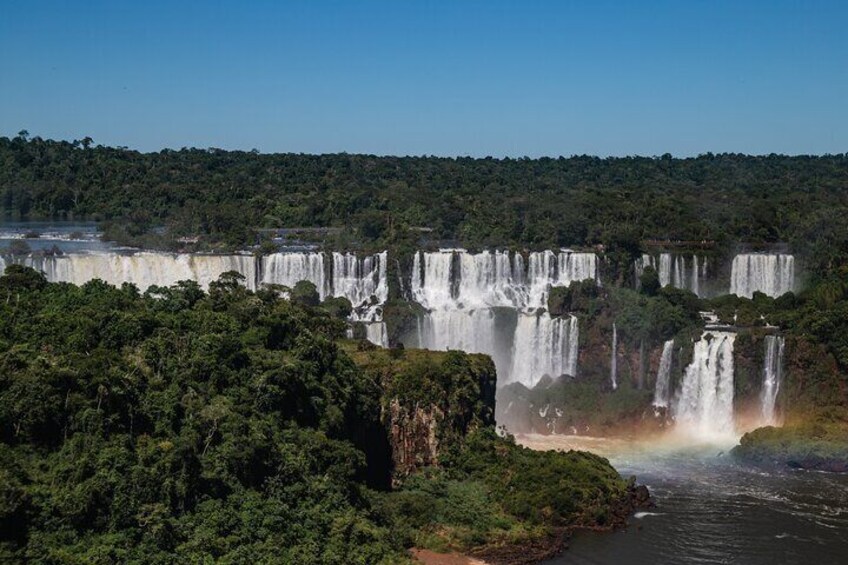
column 712, row 509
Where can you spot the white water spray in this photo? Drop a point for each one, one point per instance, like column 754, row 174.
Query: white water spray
column 489, row 302
column 290, row 268
column 614, row 362
column 704, row 406
column 375, row 332
column 772, row 377
column 662, row 388
column 544, row 346
column 143, row 269
column 771, row 274
column 360, row 280
column 679, row 271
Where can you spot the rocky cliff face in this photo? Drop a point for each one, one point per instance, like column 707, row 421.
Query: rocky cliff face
column 587, row 404
column 413, row 436
column 431, row 401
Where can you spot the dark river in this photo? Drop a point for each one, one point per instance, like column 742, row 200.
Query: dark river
column 712, row 510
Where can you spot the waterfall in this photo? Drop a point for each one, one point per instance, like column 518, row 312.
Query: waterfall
column 491, row 279
column 614, row 362
column 699, row 276
column 454, row 278
column 772, row 274
column 2, row 266
column 661, row 391
column 375, row 332
column 665, row 269
column 399, row 274
column 772, row 377
column 474, row 331
column 675, row 270
column 704, row 404
column 547, row 269
column 363, row 281
column 144, row 269
column 290, row 268
column 431, row 279
column 544, row 346
column 493, row 302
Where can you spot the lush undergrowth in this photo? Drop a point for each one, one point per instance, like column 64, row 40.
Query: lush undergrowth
column 493, row 496
column 233, row 426
column 487, row 495
column 179, row 425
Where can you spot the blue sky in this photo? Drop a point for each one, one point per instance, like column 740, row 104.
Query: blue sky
column 438, row 78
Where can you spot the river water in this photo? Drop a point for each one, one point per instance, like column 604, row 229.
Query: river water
column 710, row 509
column 66, row 236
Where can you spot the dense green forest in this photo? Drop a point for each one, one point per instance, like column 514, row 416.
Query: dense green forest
column 183, row 426
column 224, row 196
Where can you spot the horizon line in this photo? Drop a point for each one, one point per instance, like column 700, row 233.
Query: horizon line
column 256, row 151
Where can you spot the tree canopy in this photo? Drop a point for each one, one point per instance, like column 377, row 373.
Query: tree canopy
column 179, row 425
column 223, row 196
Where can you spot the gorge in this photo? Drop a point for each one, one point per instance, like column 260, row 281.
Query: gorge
column 423, row 283
column 577, row 353
column 492, row 302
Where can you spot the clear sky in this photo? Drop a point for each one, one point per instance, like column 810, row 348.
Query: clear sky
column 448, row 78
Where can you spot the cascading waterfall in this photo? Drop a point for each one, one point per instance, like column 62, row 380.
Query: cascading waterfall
column 704, row 406
column 491, row 279
column 614, row 361
column 290, row 268
column 770, row 273
column 490, row 302
column 772, row 377
column 362, row 280
column 544, row 346
column 376, row 333
column 676, row 270
column 144, row 269
column 454, row 278
column 400, row 280
column 474, row 331
column 662, row 389
column 431, row 279
column 547, row 269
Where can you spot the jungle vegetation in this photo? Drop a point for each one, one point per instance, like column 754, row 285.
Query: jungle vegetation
column 178, row 425
column 227, row 197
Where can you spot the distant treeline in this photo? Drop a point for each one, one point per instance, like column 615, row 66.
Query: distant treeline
column 225, row 196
